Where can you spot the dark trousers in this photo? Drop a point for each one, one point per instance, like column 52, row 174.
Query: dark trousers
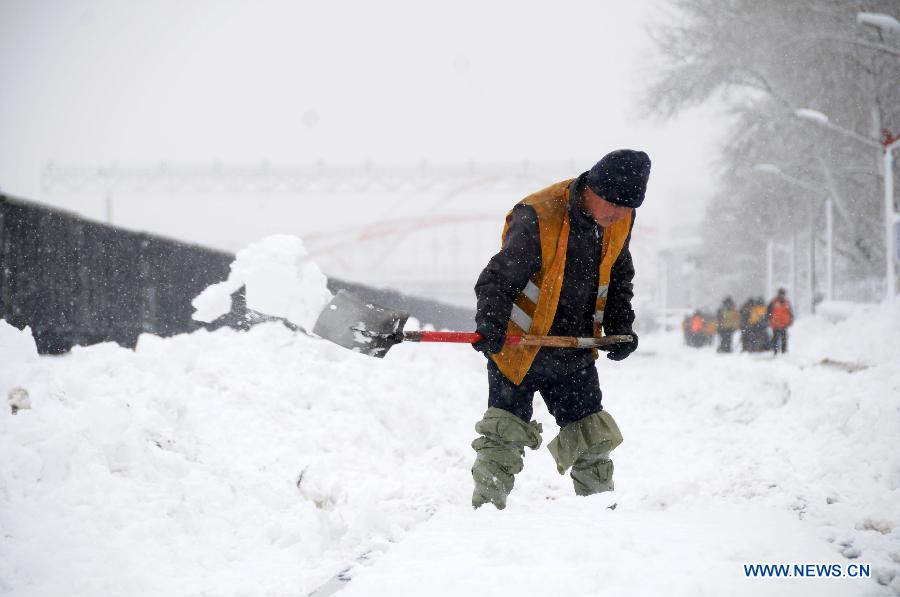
column 569, row 397
column 725, row 340
column 779, row 340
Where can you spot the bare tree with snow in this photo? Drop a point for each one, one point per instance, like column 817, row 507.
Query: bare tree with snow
column 765, row 61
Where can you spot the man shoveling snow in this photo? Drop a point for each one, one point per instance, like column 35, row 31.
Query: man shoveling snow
column 564, row 270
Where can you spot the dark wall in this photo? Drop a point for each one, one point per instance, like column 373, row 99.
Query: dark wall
column 74, row 281
column 80, row 282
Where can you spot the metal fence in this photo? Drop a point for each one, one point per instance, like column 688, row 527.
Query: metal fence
column 74, row 281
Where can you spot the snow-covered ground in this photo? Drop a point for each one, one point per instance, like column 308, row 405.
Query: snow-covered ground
column 268, row 463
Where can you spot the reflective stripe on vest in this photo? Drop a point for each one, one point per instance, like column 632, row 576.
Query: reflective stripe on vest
column 520, row 317
column 518, row 314
column 602, row 291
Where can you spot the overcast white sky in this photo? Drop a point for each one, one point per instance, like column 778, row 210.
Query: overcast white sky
column 107, row 81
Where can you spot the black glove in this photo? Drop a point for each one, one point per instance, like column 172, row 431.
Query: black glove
column 618, row 352
column 493, row 337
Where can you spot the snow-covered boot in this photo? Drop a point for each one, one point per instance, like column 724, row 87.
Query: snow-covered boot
column 584, row 446
column 499, row 451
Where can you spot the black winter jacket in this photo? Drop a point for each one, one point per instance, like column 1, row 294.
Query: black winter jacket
column 519, row 259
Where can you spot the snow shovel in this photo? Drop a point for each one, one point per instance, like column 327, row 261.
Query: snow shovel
column 371, row 329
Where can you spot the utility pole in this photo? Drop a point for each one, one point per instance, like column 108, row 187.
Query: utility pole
column 891, row 217
column 829, row 254
column 812, row 270
column 794, row 265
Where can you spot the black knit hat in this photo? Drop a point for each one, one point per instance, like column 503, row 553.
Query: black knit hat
column 621, row 177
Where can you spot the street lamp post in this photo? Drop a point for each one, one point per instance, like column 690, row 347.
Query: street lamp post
column 794, row 284
column 887, row 144
column 879, row 21
column 891, row 217
column 829, row 253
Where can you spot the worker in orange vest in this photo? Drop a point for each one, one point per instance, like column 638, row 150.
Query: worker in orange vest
column 697, row 325
column 781, row 316
column 564, row 269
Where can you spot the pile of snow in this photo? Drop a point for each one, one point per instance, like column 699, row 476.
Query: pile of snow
column 280, row 279
column 835, row 311
column 860, row 333
column 223, row 463
column 271, row 463
column 18, row 354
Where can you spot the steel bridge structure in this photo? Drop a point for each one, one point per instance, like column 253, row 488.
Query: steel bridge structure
column 424, row 228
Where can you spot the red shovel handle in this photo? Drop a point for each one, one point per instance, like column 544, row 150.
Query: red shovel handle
column 461, row 337
column 552, row 341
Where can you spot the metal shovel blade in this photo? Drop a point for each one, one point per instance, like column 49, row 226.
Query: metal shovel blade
column 360, row 325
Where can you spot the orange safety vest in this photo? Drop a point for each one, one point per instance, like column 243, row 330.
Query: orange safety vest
column 696, row 324
column 781, row 315
column 757, row 314
column 535, row 307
